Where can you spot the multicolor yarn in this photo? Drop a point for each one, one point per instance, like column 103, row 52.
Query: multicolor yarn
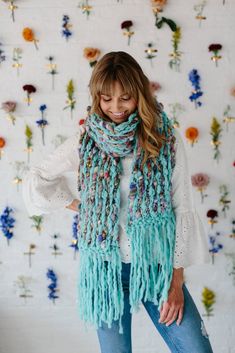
column 150, row 220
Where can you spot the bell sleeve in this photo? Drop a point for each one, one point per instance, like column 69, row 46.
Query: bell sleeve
column 190, row 239
column 44, row 187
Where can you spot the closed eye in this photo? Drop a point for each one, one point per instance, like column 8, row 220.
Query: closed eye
column 109, row 99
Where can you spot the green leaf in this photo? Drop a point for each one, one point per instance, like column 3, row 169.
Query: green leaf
column 28, row 132
column 170, row 23
column 70, row 88
column 159, row 23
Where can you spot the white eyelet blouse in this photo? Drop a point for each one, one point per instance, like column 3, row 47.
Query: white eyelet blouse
column 45, row 189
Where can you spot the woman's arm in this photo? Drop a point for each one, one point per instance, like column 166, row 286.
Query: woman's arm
column 191, row 243
column 172, row 309
column 178, row 277
column 45, row 188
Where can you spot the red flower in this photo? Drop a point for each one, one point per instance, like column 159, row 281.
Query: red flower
column 212, row 214
column 126, row 24
column 215, row 47
column 81, row 121
column 29, row 88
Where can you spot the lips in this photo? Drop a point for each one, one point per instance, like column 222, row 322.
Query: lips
column 119, row 115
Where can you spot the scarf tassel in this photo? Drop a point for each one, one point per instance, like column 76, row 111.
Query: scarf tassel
column 100, row 293
column 152, row 252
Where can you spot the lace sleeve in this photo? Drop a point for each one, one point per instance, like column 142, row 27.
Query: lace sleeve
column 44, row 187
column 191, row 244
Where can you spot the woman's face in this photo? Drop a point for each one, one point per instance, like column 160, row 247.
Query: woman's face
column 118, row 106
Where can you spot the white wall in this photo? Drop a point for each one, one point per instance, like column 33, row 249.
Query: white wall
column 38, row 325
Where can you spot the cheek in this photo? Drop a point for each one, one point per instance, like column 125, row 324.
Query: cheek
column 103, row 105
column 133, row 104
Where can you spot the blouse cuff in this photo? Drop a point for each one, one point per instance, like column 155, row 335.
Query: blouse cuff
column 43, row 196
column 191, row 246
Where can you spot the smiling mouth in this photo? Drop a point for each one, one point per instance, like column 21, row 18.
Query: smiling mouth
column 119, row 115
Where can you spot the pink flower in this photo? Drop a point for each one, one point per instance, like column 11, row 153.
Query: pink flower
column 232, row 91
column 200, row 180
column 8, row 106
column 154, row 86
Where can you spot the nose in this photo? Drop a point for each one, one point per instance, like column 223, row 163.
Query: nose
column 116, row 105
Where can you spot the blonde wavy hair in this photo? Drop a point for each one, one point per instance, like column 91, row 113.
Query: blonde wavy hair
column 122, row 67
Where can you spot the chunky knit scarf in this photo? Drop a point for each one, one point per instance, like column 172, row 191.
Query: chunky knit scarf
column 150, row 220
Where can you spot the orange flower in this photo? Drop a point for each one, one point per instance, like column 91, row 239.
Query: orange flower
column 191, row 134
column 2, row 142
column 159, row 4
column 28, row 34
column 91, row 54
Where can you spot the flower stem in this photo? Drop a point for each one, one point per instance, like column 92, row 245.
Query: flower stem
column 29, row 259
column 35, row 43
column 12, row 11
column 43, row 136
column 53, row 82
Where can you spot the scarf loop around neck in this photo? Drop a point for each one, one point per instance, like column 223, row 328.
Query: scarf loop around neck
column 150, row 219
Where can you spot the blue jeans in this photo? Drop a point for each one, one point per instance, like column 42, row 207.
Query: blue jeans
column 189, row 337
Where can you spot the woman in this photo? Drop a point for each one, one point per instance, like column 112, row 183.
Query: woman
column 137, row 228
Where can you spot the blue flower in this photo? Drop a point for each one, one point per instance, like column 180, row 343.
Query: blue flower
column 75, row 234
column 66, row 31
column 52, row 286
column 42, row 107
column 42, row 122
column 195, row 79
column 7, row 223
column 215, row 246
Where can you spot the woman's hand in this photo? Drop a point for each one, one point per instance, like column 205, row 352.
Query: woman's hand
column 74, row 205
column 173, row 308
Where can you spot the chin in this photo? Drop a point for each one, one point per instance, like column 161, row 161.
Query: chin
column 119, row 121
